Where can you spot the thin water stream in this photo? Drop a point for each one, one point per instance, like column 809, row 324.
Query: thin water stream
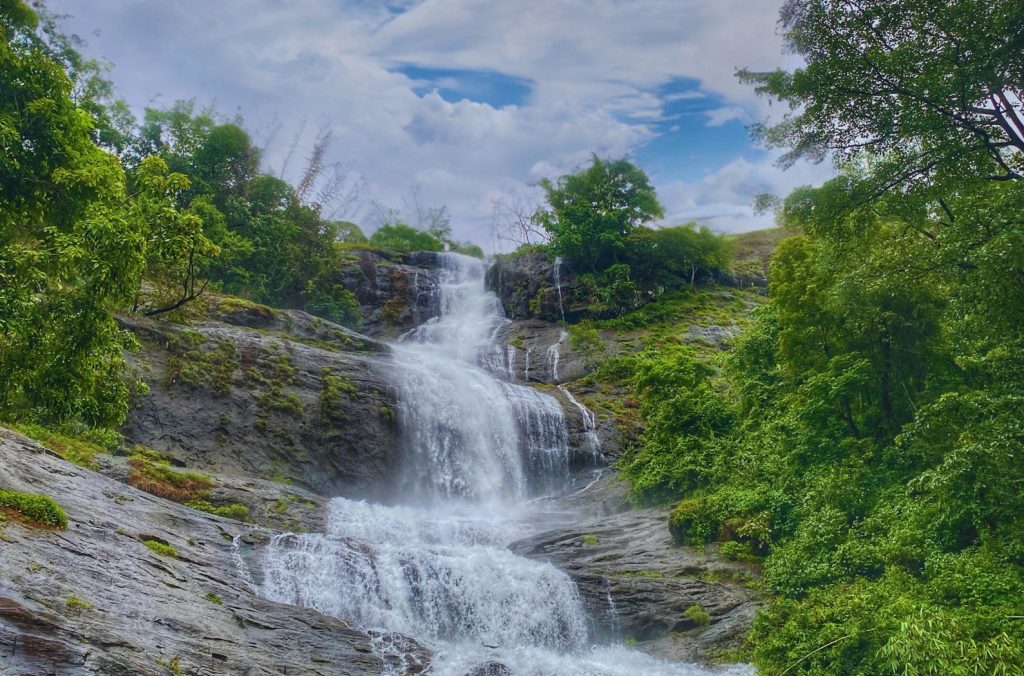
column 433, row 564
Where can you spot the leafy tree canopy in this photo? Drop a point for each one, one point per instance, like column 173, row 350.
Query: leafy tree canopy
column 402, row 237
column 927, row 89
column 591, row 213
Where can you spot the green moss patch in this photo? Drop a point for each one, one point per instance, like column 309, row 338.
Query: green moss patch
column 197, row 362
column 80, row 450
column 698, row 615
column 161, row 548
column 75, row 603
column 31, row 509
column 234, row 510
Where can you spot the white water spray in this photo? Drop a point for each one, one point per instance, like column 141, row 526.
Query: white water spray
column 554, row 354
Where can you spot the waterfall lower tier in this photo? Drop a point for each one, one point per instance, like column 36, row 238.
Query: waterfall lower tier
column 445, row 577
column 437, row 576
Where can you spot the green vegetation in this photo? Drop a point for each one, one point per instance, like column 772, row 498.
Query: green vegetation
column 591, row 540
column 590, row 213
column 81, row 451
column 161, row 548
column 75, row 603
column 585, row 340
column 196, row 362
column 33, row 510
column 864, row 434
column 335, row 392
column 698, row 615
column 595, row 218
column 234, row 510
column 214, row 599
column 152, row 473
column 402, row 237
column 737, row 551
column 103, row 213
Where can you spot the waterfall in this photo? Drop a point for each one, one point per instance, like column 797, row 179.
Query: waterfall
column 558, row 286
column 554, row 354
column 589, row 422
column 470, row 432
column 434, row 564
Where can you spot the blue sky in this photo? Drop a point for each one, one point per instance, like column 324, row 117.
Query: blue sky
column 466, row 102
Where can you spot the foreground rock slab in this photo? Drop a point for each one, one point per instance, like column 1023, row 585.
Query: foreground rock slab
column 95, row 599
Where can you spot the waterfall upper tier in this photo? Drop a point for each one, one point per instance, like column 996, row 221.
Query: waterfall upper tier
column 469, row 434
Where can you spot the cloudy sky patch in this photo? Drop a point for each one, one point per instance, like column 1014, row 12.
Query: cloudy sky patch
column 464, row 99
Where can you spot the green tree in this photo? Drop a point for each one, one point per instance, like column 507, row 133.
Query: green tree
column 591, row 213
column 927, row 89
column 176, row 244
column 348, row 233
column 675, row 255
column 402, row 237
column 69, row 251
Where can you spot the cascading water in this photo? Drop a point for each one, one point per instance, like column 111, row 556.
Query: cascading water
column 558, row 286
column 435, row 565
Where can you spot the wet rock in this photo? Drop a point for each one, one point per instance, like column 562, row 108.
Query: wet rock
column 396, row 291
column 491, row 669
column 542, row 353
column 637, row 584
column 294, row 325
column 306, row 404
column 270, row 503
column 533, row 286
column 95, row 600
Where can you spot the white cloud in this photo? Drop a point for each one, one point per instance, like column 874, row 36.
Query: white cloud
column 719, row 116
column 723, row 200
column 594, row 66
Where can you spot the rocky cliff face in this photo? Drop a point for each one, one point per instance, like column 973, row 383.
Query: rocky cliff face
column 95, row 599
column 396, row 292
column 286, row 397
column 532, row 286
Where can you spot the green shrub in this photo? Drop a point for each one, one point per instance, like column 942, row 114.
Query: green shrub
column 585, row 339
column 33, row 509
column 736, row 551
column 401, row 237
column 590, row 540
column 698, row 615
